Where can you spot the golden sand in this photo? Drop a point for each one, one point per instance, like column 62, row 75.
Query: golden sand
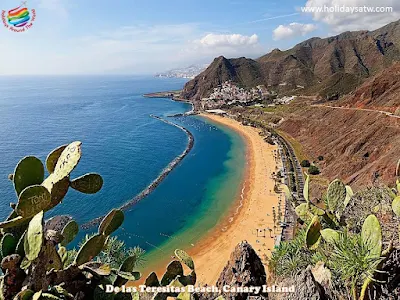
column 253, row 214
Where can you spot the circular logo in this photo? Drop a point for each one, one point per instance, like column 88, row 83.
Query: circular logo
column 18, row 19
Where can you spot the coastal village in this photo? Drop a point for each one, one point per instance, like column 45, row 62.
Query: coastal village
column 229, row 94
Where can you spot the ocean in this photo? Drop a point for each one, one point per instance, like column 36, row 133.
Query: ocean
column 129, row 149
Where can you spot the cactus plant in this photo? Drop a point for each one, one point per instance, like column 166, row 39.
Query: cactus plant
column 34, row 237
column 8, row 244
column 371, row 235
column 90, row 249
column 306, row 188
column 29, row 171
column 330, row 236
column 336, row 195
column 174, row 269
column 111, row 222
column 67, row 161
column 313, row 235
column 185, row 258
column 152, row 280
column 69, row 232
column 396, row 206
column 32, row 200
column 52, row 158
column 88, row 184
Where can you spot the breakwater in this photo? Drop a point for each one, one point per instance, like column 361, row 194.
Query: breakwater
column 153, row 185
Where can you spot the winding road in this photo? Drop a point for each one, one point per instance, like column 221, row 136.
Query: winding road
column 389, row 114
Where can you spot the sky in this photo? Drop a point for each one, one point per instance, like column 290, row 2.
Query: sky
column 150, row 36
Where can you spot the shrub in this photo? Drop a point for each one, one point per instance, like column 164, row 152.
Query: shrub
column 313, row 170
column 305, row 163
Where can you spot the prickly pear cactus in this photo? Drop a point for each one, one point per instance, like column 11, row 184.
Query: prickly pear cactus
column 371, row 235
column 8, row 244
column 52, row 158
column 34, row 237
column 174, row 269
column 185, row 258
column 32, row 200
column 29, row 171
column 68, row 160
column 336, row 195
column 330, row 236
column 88, row 184
column 306, row 188
column 69, row 232
column 313, row 235
column 111, row 222
column 396, row 206
column 127, row 267
column 152, row 280
column 57, row 188
column 90, row 249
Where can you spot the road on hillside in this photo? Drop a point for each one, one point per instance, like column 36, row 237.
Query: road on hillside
column 389, row 114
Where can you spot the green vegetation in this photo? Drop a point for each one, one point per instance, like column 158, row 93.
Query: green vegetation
column 305, row 163
column 35, row 261
column 353, row 256
column 314, row 170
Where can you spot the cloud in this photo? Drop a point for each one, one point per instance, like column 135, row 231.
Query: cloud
column 292, row 30
column 141, row 49
column 344, row 21
column 227, row 40
column 55, row 7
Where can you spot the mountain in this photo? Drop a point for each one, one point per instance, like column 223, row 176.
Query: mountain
column 334, row 65
column 188, row 72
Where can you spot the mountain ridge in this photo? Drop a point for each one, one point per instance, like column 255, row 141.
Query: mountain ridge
column 339, row 63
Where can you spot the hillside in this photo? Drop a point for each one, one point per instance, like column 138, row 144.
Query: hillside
column 381, row 92
column 331, row 65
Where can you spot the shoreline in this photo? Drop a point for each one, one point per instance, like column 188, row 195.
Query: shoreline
column 250, row 215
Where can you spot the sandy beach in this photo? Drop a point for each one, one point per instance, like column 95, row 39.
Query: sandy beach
column 251, row 216
column 252, row 213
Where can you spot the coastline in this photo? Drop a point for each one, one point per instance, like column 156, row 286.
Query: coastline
column 250, row 215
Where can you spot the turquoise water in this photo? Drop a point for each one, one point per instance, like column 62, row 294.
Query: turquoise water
column 129, row 149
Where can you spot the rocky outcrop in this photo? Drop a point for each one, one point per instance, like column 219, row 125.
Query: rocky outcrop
column 244, row 269
column 306, row 288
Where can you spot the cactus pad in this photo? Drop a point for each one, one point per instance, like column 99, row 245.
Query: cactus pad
column 304, row 213
column 306, row 188
column 52, row 158
column 188, row 280
column 313, row 235
column 185, row 258
column 336, row 195
column 90, row 249
column 152, row 280
column 25, row 295
column 330, row 236
column 174, row 269
column 88, row 184
column 371, row 235
column 32, row 200
column 19, row 249
column 68, row 160
column 8, row 244
column 52, row 259
column 349, row 195
column 396, row 206
column 34, row 237
column 129, row 276
column 17, row 221
column 111, row 222
column 58, row 188
column 96, row 268
column 62, row 252
column 69, row 232
column 29, row 171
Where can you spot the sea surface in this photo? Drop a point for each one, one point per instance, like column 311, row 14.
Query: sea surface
column 129, row 149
